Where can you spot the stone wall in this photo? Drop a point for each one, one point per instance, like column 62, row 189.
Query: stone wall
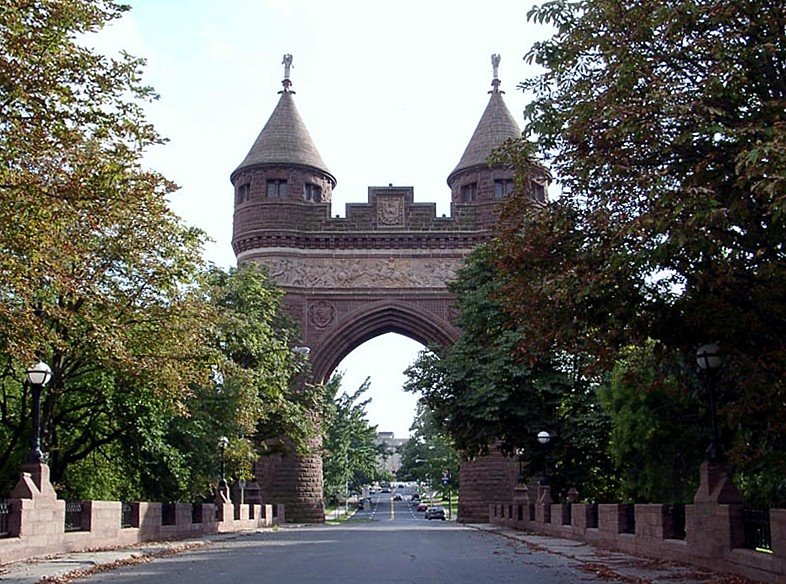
column 37, row 520
column 712, row 536
column 382, row 268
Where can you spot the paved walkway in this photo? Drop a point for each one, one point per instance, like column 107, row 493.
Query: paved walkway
column 614, row 566
column 608, row 566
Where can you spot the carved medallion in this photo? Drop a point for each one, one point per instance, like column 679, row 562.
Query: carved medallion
column 390, row 211
column 321, row 314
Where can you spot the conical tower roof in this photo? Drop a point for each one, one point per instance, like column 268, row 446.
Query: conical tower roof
column 495, row 126
column 285, row 139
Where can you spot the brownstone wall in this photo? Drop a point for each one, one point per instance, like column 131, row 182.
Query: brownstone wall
column 295, row 482
column 713, row 536
column 487, row 478
column 382, row 268
column 37, row 521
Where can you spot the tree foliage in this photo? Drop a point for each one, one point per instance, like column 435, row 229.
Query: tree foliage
column 485, row 394
column 99, row 278
column 253, row 395
column 658, row 434
column 350, row 453
column 428, row 453
column 153, row 355
column 664, row 122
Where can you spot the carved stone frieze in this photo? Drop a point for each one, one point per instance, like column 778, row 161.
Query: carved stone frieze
column 352, row 273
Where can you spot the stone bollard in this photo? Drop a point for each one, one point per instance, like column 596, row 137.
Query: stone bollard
column 543, row 511
column 716, row 510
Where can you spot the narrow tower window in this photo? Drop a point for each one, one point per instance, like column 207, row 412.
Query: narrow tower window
column 242, row 193
column 502, row 188
column 312, row 193
column 539, row 191
column 469, row 192
column 276, row 189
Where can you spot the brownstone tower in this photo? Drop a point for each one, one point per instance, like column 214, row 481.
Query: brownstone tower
column 383, row 268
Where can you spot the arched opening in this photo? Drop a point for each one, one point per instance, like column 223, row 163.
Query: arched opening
column 372, row 321
column 383, row 360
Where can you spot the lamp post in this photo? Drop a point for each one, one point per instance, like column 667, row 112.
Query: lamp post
column 543, row 440
column 223, row 442
column 446, row 483
column 709, row 360
column 241, row 484
column 37, row 376
column 520, row 454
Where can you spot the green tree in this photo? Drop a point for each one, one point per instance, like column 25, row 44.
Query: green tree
column 664, row 122
column 428, row 453
column 99, row 278
column 154, row 356
column 485, row 393
column 350, row 451
column 251, row 396
column 658, row 434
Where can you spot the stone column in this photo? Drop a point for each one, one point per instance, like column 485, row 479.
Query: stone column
column 521, row 505
column 253, row 492
column 543, row 510
column 295, row 481
column 484, row 481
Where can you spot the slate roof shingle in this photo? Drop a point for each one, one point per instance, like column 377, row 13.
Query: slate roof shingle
column 284, row 140
column 495, row 126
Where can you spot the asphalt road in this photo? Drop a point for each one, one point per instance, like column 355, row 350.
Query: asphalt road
column 388, row 542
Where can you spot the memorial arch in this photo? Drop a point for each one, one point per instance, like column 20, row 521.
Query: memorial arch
column 384, row 267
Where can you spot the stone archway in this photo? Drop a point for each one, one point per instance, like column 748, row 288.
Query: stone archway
column 378, row 318
column 384, row 267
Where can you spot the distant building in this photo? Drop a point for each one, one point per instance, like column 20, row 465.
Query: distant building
column 390, row 460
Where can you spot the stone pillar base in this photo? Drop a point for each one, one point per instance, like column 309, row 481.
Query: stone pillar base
column 716, row 484
column 34, row 483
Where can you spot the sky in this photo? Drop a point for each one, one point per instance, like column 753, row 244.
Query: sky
column 389, row 91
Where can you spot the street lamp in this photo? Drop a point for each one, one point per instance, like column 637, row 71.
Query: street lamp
column 520, row 454
column 446, row 483
column 241, row 484
column 543, row 440
column 709, row 360
column 223, row 442
column 37, row 376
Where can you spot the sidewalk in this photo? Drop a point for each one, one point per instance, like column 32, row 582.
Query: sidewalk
column 68, row 567
column 613, row 566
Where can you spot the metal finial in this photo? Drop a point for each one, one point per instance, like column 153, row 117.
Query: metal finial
column 495, row 82
column 287, row 62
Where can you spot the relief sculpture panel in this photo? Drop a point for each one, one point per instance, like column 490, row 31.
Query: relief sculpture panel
column 390, row 211
column 349, row 273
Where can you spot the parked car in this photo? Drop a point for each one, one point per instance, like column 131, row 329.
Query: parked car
column 415, row 497
column 421, row 507
column 435, row 513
